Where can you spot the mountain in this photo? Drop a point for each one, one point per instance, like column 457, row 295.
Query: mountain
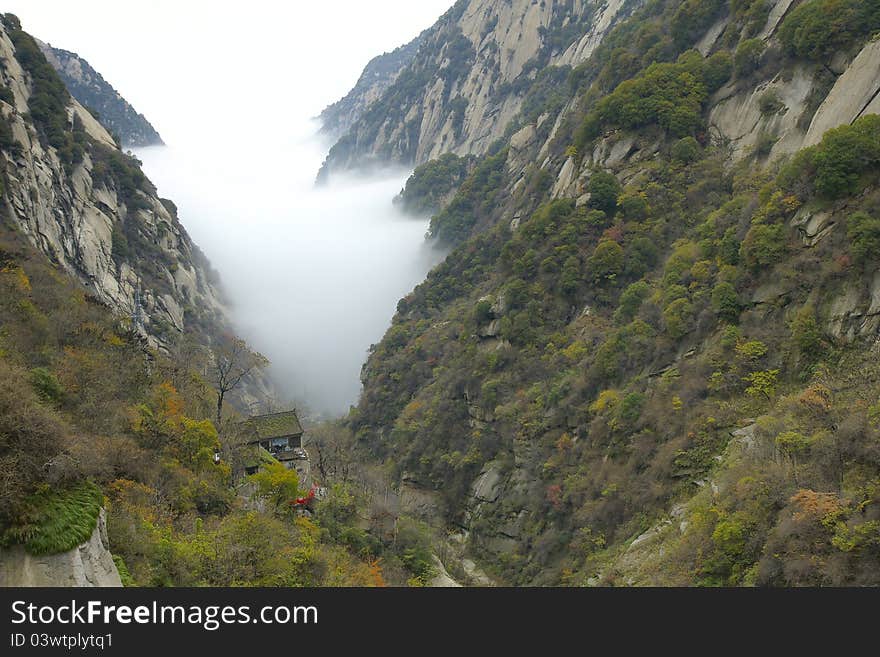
column 477, row 68
column 89, row 207
column 92, row 91
column 378, row 75
column 651, row 355
column 116, row 464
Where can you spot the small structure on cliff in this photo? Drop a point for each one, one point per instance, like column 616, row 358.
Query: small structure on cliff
column 279, row 436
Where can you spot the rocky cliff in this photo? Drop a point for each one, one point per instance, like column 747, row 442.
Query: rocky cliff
column 91, row 90
column 672, row 243
column 89, row 564
column 88, row 206
column 472, row 76
column 379, row 74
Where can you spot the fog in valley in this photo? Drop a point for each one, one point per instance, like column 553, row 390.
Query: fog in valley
column 313, row 275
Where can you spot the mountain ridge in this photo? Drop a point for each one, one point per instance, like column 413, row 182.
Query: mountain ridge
column 635, row 360
column 90, row 88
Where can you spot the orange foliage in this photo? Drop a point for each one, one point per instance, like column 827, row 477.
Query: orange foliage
column 815, row 506
column 816, row 399
column 375, row 567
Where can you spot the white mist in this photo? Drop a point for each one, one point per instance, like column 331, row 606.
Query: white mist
column 313, row 274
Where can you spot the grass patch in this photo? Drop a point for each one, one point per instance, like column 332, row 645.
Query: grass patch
column 58, row 521
column 124, row 575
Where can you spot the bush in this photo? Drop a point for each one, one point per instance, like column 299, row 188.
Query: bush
column 678, row 317
column 805, row 332
column 770, row 103
column 431, row 182
column 604, row 190
column 30, row 437
column 719, row 68
column 686, row 150
column 818, row 28
column 725, row 302
column 606, row 261
column 46, row 385
column 631, row 300
column 763, row 246
column 863, row 232
column 670, row 95
column 748, row 57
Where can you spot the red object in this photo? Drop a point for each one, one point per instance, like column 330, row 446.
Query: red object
column 304, row 501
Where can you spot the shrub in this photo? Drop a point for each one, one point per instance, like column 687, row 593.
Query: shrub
column 725, row 301
column 30, row 436
column 669, row 95
column 631, row 300
column 748, row 57
column 836, row 166
column 770, row 103
column 686, row 150
column 606, row 261
column 863, row 232
column 763, row 246
column 46, row 385
column 805, row 332
column 719, row 68
column 818, row 28
column 604, row 190
column 678, row 317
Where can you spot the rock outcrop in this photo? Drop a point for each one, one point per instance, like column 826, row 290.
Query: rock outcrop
column 91, row 89
column 471, row 76
column 115, row 235
column 89, row 564
column 379, row 74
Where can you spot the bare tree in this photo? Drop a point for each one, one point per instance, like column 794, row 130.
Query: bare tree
column 232, row 361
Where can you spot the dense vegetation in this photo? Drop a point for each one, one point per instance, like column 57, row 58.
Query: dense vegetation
column 610, row 352
column 818, row 28
column 91, row 416
column 79, row 392
column 49, row 97
column 670, row 343
column 432, row 184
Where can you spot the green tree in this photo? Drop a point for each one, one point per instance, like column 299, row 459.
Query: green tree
column 762, row 383
column 763, row 246
column 604, row 190
column 631, row 300
column 805, row 332
column 278, row 486
column 748, row 57
column 863, row 232
column 725, row 302
column 678, row 317
column 606, row 261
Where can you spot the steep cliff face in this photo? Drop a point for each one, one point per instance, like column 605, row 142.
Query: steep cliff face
column 471, row 77
column 89, row 207
column 91, row 90
column 89, row 564
column 379, row 74
column 583, row 359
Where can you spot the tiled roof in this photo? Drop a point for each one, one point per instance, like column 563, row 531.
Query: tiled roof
column 275, row 425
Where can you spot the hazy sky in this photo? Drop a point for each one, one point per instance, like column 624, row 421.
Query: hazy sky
column 168, row 57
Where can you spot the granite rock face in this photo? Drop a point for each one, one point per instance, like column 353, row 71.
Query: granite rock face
column 132, row 253
column 89, row 564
